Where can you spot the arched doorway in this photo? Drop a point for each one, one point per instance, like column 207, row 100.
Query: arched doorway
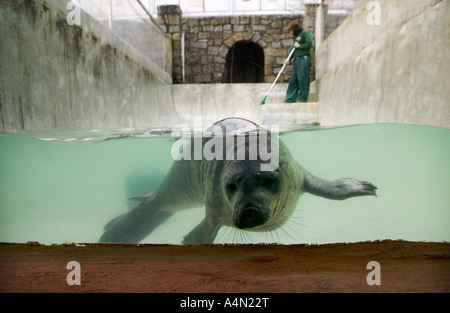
column 245, row 63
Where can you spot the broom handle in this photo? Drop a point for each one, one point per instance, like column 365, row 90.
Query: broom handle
column 281, row 71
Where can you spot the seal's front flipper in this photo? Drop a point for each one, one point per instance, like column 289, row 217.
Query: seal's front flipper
column 135, row 225
column 205, row 232
column 338, row 189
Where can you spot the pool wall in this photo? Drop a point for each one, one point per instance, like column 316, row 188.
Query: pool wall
column 57, row 76
column 388, row 62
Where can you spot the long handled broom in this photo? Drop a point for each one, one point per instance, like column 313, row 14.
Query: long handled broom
column 273, row 84
column 281, row 71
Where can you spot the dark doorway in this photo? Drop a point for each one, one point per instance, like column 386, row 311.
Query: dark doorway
column 245, row 63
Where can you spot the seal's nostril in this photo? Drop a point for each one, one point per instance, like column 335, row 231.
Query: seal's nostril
column 249, row 214
column 250, row 217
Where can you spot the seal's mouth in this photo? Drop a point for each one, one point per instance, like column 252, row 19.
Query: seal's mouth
column 250, row 216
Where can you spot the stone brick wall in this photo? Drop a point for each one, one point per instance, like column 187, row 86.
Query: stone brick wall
column 208, row 40
column 204, row 47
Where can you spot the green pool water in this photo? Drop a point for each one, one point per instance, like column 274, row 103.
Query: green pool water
column 56, row 192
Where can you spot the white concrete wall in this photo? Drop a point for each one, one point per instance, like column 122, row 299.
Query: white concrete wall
column 56, row 76
column 213, row 102
column 395, row 72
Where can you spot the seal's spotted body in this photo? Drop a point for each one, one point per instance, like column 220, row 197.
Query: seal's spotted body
column 235, row 193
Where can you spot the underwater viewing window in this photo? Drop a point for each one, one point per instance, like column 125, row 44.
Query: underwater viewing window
column 66, row 188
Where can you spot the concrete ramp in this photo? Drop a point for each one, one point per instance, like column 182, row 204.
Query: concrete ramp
column 289, row 116
column 213, row 102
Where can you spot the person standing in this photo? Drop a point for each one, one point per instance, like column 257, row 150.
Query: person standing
column 299, row 80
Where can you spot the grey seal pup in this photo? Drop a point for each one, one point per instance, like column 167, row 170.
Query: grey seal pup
column 240, row 187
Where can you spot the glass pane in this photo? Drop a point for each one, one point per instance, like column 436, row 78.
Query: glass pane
column 247, row 5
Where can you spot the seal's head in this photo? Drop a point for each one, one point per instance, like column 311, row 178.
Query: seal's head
column 260, row 180
column 260, row 200
column 250, row 193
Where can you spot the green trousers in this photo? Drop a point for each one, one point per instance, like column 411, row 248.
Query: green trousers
column 299, row 80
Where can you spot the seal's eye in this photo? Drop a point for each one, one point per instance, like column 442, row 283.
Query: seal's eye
column 232, row 187
column 267, row 182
